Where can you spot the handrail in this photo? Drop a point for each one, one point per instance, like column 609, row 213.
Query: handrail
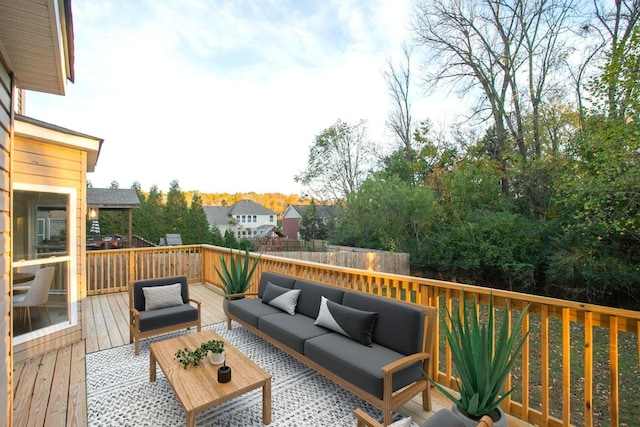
column 570, row 344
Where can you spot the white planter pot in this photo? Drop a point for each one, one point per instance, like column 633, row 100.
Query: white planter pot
column 468, row 422
column 216, row 358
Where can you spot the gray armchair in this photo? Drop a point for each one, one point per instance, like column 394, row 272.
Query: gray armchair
column 158, row 306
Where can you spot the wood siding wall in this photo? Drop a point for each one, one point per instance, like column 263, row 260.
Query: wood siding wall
column 40, row 163
column 6, row 90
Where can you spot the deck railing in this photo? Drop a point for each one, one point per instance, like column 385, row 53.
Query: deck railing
column 579, row 365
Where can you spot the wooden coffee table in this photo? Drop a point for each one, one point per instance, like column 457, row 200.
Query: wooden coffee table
column 197, row 388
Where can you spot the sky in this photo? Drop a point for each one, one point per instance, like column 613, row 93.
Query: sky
column 226, row 96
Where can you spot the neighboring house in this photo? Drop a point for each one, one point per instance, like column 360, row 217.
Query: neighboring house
column 246, row 218
column 42, row 179
column 292, row 218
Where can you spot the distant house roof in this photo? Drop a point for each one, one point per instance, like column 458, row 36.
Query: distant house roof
column 322, row 211
column 244, row 207
column 113, row 198
column 219, row 215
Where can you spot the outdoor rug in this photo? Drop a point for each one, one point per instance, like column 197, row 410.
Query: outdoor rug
column 119, row 392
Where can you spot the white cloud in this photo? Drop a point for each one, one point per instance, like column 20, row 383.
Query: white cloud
column 222, row 96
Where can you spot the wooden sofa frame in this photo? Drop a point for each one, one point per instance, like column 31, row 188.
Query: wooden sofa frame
column 390, row 401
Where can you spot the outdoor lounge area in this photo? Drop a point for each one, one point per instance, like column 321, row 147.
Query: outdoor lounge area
column 51, row 389
column 566, row 340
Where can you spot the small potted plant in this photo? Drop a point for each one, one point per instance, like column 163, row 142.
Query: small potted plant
column 188, row 358
column 482, row 364
column 216, row 351
column 236, row 273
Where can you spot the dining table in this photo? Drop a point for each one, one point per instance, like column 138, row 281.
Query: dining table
column 24, row 277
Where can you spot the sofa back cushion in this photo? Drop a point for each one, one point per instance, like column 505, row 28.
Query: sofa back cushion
column 310, row 296
column 139, row 301
column 399, row 327
column 275, row 278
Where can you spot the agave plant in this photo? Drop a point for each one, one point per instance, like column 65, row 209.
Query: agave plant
column 236, row 274
column 482, row 365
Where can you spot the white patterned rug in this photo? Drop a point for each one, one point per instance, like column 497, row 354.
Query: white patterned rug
column 119, row 392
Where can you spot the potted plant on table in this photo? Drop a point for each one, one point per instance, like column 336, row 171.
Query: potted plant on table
column 482, row 363
column 188, row 358
column 235, row 273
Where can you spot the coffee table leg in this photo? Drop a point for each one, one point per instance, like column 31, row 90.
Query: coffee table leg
column 152, row 367
column 191, row 419
column 266, row 402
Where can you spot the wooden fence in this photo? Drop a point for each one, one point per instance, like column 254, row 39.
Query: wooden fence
column 569, row 373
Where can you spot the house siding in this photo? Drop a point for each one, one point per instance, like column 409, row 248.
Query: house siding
column 6, row 379
column 290, row 228
column 39, row 163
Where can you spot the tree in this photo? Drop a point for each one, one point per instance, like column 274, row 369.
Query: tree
column 196, row 228
column 312, row 227
column 618, row 84
column 398, row 79
column 389, row 214
column 148, row 217
column 338, row 162
column 505, row 53
column 175, row 212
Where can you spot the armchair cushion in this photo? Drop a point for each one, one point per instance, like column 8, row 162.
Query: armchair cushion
column 156, row 297
column 168, row 316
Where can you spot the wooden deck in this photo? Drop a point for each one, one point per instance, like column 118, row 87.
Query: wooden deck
column 50, row 390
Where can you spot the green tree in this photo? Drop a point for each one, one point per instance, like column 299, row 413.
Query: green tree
column 175, row 211
column 150, row 216
column 390, row 214
column 196, row 229
column 339, row 161
column 312, row 227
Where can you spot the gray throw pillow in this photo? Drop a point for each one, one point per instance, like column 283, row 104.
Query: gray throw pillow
column 348, row 321
column 282, row 298
column 156, row 297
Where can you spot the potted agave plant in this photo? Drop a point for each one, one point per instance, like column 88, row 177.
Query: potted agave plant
column 482, row 363
column 235, row 273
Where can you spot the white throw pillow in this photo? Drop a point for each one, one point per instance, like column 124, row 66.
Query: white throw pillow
column 156, row 297
column 405, row 422
column 282, row 298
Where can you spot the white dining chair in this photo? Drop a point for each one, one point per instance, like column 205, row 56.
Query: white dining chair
column 38, row 293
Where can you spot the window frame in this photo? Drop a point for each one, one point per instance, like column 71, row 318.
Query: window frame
column 71, row 258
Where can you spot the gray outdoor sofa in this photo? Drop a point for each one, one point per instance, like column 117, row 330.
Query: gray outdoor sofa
column 383, row 356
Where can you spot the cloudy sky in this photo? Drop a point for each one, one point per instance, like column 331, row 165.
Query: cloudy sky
column 221, row 95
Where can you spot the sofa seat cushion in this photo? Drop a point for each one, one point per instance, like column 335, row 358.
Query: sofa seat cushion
column 357, row 364
column 249, row 310
column 169, row 316
column 292, row 331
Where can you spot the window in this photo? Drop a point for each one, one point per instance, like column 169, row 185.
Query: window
column 271, row 218
column 44, row 224
column 244, row 218
column 255, row 218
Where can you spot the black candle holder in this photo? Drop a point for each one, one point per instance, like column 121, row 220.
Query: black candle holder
column 224, row 373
